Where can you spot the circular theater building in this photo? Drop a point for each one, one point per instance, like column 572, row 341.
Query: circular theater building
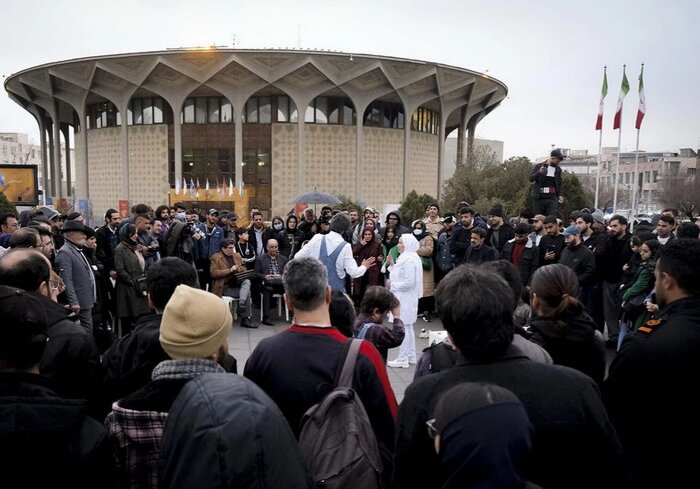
column 277, row 122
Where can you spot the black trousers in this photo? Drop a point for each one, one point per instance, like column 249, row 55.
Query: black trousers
column 546, row 207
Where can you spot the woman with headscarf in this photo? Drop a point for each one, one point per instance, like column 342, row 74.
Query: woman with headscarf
column 425, row 251
column 483, row 437
column 641, row 285
column 406, row 282
column 368, row 246
column 390, row 249
column 290, row 238
column 130, row 266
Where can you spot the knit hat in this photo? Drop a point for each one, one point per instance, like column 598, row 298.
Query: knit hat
column 598, row 216
column 195, row 323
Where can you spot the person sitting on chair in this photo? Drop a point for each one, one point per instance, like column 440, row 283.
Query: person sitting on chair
column 225, row 269
column 269, row 267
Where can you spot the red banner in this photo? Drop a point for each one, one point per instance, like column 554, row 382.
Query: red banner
column 123, row 209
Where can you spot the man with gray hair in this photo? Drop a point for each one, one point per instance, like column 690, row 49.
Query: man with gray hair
column 336, row 254
column 297, row 368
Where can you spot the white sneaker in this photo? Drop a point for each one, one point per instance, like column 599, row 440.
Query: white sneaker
column 397, row 363
column 423, row 333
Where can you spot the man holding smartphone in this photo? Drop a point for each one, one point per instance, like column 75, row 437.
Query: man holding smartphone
column 546, row 195
column 552, row 243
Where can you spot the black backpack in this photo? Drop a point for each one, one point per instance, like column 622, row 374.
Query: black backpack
column 336, row 436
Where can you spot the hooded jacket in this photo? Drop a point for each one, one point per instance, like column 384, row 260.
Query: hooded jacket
column 576, row 345
column 223, row 431
column 399, row 228
column 46, row 441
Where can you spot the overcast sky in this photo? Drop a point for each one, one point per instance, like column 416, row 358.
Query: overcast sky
column 550, row 54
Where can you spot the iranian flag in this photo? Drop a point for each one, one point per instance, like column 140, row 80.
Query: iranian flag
column 603, row 93
column 642, row 102
column 624, row 88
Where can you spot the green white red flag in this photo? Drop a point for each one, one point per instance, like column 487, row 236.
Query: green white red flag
column 603, row 93
column 624, row 88
column 642, row 101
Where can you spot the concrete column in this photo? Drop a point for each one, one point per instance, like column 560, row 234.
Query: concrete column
column 83, row 173
column 359, row 156
column 406, row 152
column 57, row 158
column 301, row 165
column 441, row 149
column 238, row 144
column 460, row 135
column 125, row 193
column 177, row 141
column 44, row 157
column 69, row 174
column 471, row 127
column 52, row 157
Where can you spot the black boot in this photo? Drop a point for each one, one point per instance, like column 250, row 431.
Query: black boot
column 246, row 322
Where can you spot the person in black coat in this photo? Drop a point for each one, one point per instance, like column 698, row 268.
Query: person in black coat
column 45, row 441
column 70, row 358
column 203, row 436
column 564, row 405
column 547, row 188
column 521, row 252
column 650, row 390
column 479, row 251
column 500, row 231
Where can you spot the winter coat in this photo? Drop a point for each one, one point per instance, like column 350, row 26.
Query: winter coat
column 529, row 259
column 213, row 417
column 129, row 302
column 576, row 345
column 70, row 359
column 220, row 271
column 47, row 441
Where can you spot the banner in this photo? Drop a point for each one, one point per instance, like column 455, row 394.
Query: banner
column 19, row 184
column 123, row 209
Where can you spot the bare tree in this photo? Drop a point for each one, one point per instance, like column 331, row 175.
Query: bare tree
column 683, row 193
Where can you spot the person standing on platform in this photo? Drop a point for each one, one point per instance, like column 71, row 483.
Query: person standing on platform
column 546, row 193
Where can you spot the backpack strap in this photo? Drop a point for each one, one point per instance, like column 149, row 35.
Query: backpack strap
column 351, row 349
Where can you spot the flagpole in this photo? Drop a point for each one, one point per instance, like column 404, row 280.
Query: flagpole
column 597, row 174
column 636, row 178
column 599, row 127
column 624, row 88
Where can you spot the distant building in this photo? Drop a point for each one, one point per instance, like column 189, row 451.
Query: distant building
column 16, row 149
column 280, row 122
column 451, row 150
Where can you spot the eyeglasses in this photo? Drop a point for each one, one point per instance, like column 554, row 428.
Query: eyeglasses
column 55, row 284
column 432, row 429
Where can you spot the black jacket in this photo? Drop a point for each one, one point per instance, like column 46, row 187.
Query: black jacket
column 128, row 364
column 574, row 345
column 557, row 241
column 71, row 359
column 651, row 395
column 460, row 242
column 529, row 260
column 213, row 417
column 480, row 255
column 46, row 441
column 611, row 255
column 505, row 234
column 582, row 261
column 564, row 407
column 541, row 180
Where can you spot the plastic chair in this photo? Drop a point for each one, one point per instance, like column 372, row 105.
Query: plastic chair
column 280, row 301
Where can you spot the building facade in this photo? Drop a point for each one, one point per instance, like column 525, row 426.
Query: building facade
column 276, row 122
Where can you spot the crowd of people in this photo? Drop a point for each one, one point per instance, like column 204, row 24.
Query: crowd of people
column 115, row 368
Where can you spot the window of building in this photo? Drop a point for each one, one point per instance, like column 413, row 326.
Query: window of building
column 251, row 111
column 200, row 110
column 157, row 110
column 282, row 109
column 214, row 109
column 188, row 111
column 264, row 110
column 321, row 110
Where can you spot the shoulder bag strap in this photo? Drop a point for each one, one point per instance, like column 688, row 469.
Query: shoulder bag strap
column 351, row 350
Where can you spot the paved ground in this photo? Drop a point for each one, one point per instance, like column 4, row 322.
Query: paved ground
column 243, row 341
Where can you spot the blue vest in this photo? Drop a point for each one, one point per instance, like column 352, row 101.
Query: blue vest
column 329, row 261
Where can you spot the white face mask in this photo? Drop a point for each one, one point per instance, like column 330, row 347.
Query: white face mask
column 278, row 226
column 417, row 232
column 181, row 216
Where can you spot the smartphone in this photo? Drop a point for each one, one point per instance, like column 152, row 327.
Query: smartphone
column 552, row 248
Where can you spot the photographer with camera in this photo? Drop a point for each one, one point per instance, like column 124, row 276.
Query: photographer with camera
column 546, row 194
